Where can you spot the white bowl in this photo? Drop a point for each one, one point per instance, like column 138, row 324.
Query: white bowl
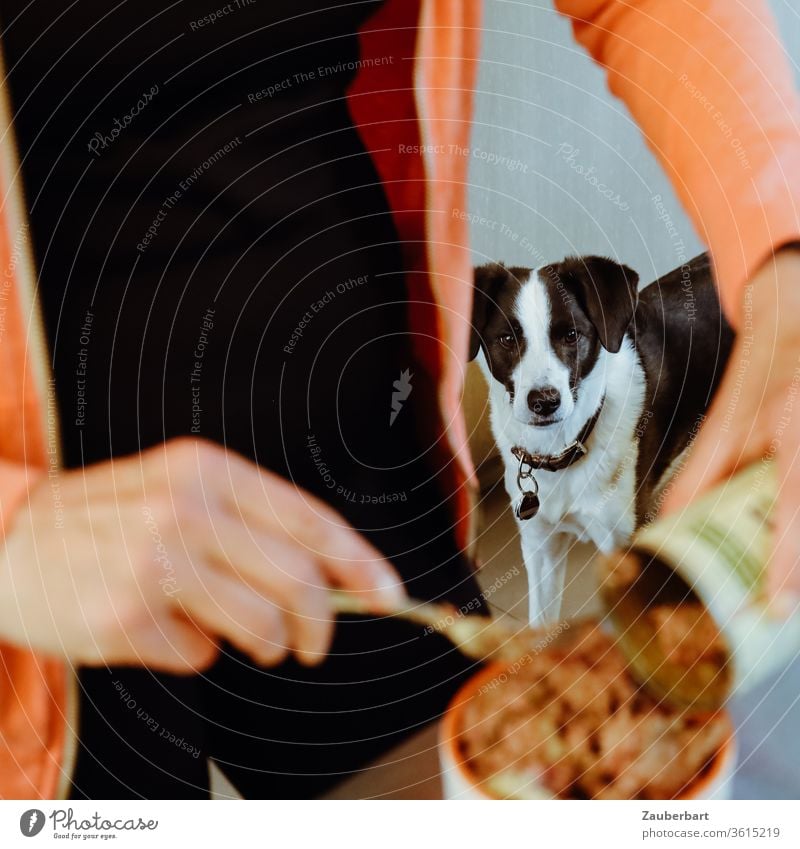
column 459, row 782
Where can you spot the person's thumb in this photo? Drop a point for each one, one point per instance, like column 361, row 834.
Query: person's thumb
column 725, row 443
column 783, row 577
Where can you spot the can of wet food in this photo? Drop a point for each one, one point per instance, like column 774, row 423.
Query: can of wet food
column 688, row 602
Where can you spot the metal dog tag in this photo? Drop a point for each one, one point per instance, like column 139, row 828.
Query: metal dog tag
column 528, row 506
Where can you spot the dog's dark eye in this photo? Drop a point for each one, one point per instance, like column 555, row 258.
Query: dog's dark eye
column 571, row 336
column 506, row 340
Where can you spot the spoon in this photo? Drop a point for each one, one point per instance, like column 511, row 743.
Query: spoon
column 475, row 636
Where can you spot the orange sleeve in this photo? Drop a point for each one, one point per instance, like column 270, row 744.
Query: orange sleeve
column 32, row 687
column 15, row 481
column 709, row 84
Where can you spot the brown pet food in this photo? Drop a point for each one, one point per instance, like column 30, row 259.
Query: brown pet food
column 687, row 634
column 572, row 720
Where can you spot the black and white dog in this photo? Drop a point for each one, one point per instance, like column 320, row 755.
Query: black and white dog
column 595, row 389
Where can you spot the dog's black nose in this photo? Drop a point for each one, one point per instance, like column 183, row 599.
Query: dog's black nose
column 545, row 401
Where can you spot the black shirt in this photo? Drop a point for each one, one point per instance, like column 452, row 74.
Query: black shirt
column 217, row 257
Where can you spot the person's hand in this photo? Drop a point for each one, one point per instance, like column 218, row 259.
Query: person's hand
column 756, row 411
column 153, row 558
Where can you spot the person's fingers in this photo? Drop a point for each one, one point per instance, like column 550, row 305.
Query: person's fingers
column 302, row 590
column 783, row 576
column 271, row 505
column 710, row 461
column 226, row 607
column 380, row 589
column 311, row 624
column 726, row 441
column 285, row 574
column 271, row 502
column 173, row 644
column 347, row 559
column 288, row 545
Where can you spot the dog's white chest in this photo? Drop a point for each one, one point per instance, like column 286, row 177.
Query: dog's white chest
column 592, row 500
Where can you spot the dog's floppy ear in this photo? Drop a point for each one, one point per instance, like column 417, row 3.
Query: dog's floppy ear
column 609, row 294
column 488, row 280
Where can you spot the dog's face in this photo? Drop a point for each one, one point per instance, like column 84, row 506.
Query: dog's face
column 542, row 330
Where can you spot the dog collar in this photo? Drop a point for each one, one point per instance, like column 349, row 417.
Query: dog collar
column 528, row 505
column 571, row 454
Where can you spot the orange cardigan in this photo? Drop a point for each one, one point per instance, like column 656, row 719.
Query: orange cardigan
column 706, row 81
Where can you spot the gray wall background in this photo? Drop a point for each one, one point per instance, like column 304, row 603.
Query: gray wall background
column 537, row 90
